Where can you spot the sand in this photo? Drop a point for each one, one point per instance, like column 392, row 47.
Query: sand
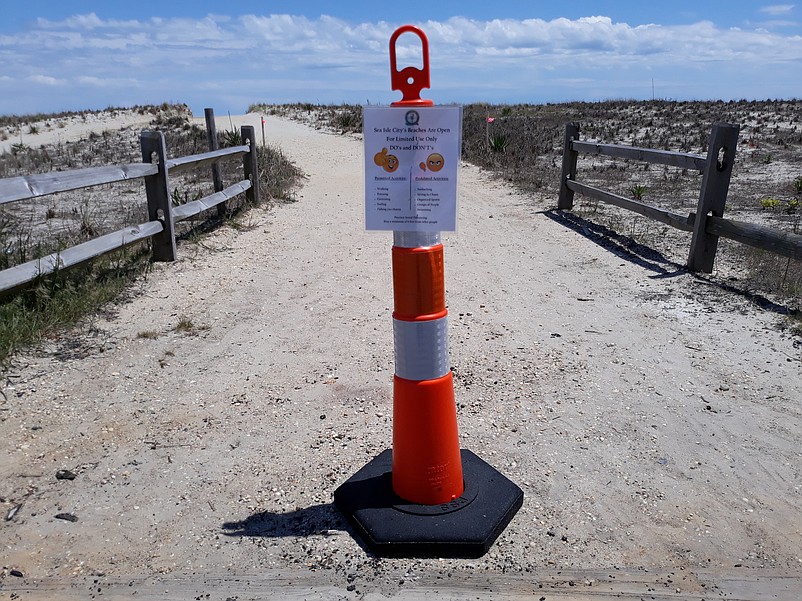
column 651, row 417
column 74, row 127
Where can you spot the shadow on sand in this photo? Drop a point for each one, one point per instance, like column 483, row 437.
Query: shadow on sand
column 309, row 521
column 620, row 245
column 629, row 250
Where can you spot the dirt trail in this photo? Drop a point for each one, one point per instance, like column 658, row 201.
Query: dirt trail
column 651, row 418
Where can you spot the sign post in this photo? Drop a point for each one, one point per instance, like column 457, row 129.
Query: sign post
column 426, row 497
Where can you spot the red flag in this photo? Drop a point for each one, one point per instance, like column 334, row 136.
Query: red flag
column 491, row 119
column 263, row 119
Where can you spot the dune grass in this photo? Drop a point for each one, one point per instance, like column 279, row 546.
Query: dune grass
column 29, row 231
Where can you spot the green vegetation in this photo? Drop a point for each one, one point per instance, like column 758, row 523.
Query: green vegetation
column 526, row 152
column 638, row 191
column 344, row 118
column 498, row 142
column 60, row 300
column 182, row 195
column 348, row 122
column 776, row 204
column 277, row 175
column 230, row 138
column 30, row 230
column 532, row 157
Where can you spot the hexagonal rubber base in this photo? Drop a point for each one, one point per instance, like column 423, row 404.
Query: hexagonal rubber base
column 393, row 527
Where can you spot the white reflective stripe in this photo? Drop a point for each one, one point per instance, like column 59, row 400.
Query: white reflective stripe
column 421, row 349
column 415, row 239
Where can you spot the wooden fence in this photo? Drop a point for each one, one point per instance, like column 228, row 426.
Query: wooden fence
column 156, row 169
column 707, row 224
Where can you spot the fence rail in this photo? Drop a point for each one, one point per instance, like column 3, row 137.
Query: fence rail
column 202, row 204
column 673, row 219
column 707, row 224
column 28, row 187
column 156, row 169
column 19, row 275
column 206, row 159
column 786, row 244
column 648, row 155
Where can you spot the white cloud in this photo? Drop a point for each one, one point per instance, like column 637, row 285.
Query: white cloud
column 45, row 80
column 117, row 82
column 777, row 9
column 88, row 21
column 332, row 60
column 776, row 23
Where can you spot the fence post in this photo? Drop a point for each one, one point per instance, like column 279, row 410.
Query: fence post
column 713, row 195
column 158, row 192
column 211, row 134
column 566, row 201
column 250, row 164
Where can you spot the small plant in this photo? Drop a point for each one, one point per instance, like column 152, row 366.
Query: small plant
column 231, row 137
column 277, row 174
column 33, row 129
column 506, row 111
column 768, row 159
column 348, row 122
column 498, row 142
column 793, row 205
column 770, row 203
column 185, row 325
column 88, row 227
column 798, row 185
column 148, row 334
column 182, row 196
column 62, row 298
column 638, row 191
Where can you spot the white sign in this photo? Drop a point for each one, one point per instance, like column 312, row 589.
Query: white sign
column 411, row 160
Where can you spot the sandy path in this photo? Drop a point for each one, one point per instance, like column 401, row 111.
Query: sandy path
column 653, row 422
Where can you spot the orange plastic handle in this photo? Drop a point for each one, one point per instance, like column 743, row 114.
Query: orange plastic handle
column 410, row 80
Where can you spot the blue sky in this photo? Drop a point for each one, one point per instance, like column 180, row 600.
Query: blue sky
column 80, row 54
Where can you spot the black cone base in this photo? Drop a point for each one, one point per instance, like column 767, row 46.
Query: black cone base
column 465, row 527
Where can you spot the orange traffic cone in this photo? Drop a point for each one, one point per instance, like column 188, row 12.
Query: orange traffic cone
column 412, row 501
column 427, row 467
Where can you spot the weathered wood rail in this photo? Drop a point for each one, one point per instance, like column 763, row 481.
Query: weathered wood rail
column 707, row 224
column 156, row 169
